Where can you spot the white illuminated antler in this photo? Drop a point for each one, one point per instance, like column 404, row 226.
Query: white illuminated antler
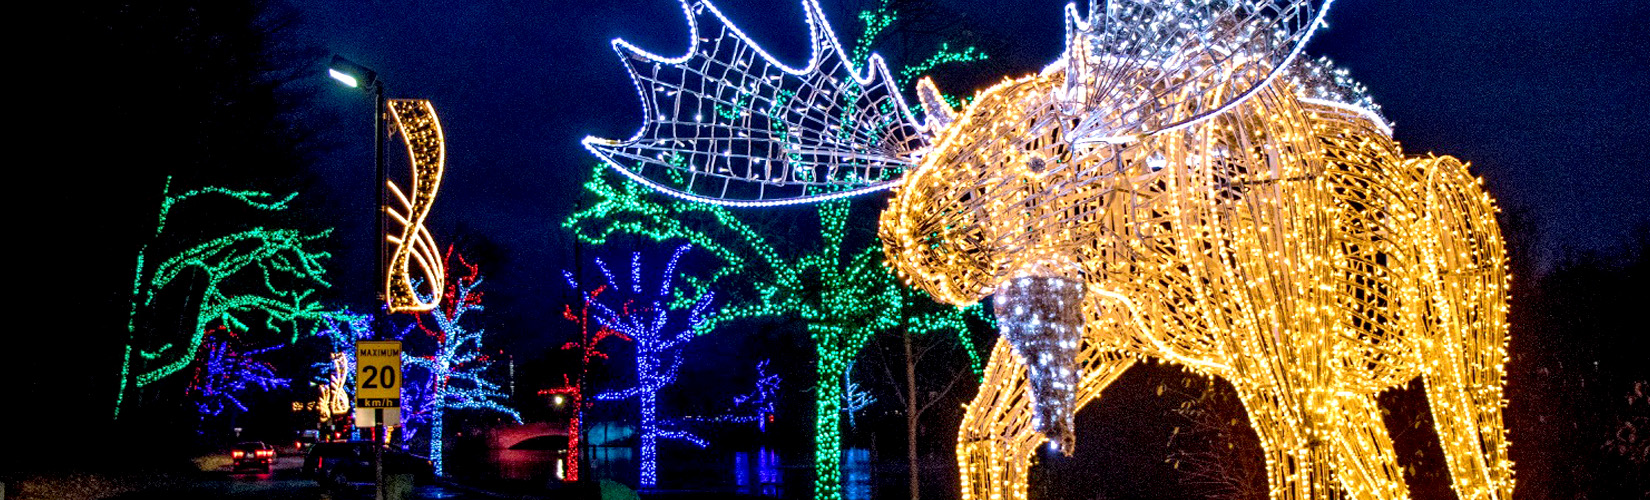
column 727, row 123
column 1144, row 67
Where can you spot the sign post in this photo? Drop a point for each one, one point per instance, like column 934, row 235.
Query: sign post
column 378, row 395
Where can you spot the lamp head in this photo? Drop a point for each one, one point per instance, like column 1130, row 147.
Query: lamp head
column 352, row 74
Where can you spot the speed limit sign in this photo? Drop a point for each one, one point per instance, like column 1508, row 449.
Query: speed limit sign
column 378, row 376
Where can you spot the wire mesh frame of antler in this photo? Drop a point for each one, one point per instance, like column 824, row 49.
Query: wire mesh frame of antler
column 420, row 128
column 727, row 123
column 1144, row 67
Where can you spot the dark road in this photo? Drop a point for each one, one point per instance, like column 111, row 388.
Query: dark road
column 284, row 482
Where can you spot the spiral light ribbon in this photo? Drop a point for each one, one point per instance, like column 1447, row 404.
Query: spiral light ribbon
column 421, row 131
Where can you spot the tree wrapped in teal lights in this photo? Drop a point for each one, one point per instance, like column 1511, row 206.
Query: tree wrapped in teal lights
column 842, row 294
column 644, row 317
column 257, row 276
column 451, row 375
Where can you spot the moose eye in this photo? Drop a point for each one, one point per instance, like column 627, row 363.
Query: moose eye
column 1037, row 164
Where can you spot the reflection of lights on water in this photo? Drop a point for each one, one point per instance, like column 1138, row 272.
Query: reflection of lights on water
column 765, row 470
column 433, row 492
column 856, row 474
column 561, row 464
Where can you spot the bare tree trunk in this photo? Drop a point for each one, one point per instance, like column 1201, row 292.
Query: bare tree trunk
column 911, row 413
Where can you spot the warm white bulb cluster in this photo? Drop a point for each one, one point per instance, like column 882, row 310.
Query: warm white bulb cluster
column 415, row 248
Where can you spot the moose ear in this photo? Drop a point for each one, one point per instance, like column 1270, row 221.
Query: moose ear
column 1142, row 67
column 938, row 112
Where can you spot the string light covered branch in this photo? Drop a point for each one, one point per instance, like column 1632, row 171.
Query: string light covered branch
column 644, row 317
column 257, row 276
column 1178, row 185
column 446, row 362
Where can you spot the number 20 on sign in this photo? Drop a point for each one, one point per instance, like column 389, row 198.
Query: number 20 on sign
column 377, row 381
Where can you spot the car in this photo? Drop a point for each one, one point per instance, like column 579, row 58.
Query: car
column 349, row 464
column 307, row 438
column 252, row 455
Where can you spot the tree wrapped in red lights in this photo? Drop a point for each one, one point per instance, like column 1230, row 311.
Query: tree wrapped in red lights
column 588, row 348
column 452, row 375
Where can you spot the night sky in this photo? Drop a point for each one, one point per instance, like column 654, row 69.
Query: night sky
column 1547, row 100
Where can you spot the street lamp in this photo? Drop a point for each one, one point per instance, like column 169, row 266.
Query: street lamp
column 361, row 77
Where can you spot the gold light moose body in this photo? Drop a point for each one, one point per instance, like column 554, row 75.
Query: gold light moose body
column 421, row 130
column 1180, row 190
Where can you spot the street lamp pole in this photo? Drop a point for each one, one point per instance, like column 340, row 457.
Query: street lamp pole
column 380, row 133
column 358, row 76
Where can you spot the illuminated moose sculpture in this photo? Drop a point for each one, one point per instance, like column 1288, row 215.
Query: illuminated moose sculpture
column 1176, row 186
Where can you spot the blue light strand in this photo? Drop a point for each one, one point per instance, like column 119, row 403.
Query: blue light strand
column 452, row 372
column 645, row 321
column 225, row 373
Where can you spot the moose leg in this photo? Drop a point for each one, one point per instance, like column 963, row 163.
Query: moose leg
column 1365, row 462
column 1297, row 465
column 1471, row 431
column 1465, row 369
column 996, row 440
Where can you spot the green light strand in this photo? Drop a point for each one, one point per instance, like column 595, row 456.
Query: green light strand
column 943, row 56
column 288, row 275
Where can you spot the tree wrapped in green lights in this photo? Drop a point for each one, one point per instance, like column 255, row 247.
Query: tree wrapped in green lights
column 841, row 292
column 254, row 276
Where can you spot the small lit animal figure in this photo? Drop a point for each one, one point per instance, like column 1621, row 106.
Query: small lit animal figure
column 1178, row 186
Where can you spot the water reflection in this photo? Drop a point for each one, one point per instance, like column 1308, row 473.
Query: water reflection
column 523, row 465
column 856, row 474
column 759, row 476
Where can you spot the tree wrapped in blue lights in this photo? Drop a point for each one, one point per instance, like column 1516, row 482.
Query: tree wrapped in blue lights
column 645, row 317
column 854, row 398
column 759, row 405
column 451, row 375
column 225, row 372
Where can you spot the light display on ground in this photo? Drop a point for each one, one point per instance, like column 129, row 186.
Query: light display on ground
column 421, row 130
column 258, row 276
column 336, row 377
column 644, row 317
column 451, row 376
column 1212, row 214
